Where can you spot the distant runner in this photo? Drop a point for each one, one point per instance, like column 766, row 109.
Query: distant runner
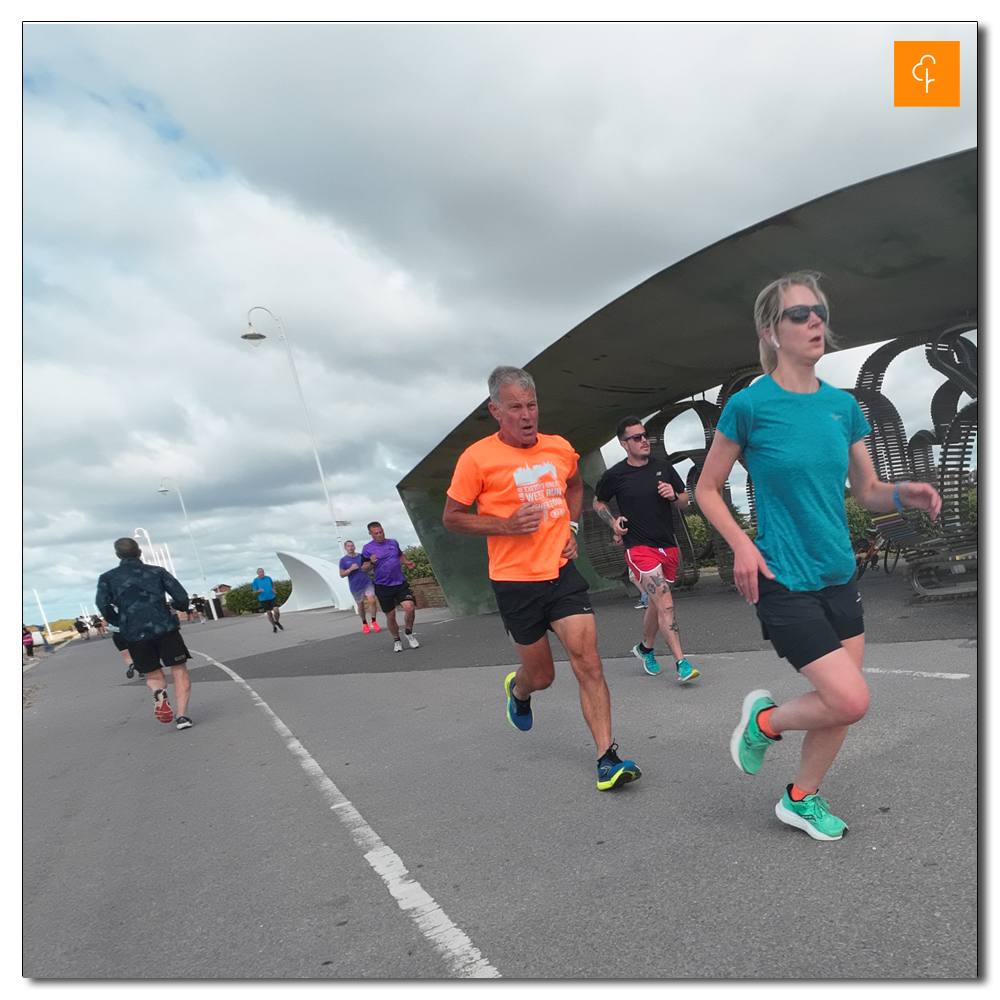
column 384, row 556
column 361, row 586
column 263, row 587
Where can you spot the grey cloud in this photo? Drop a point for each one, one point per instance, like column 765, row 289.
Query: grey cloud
column 418, row 203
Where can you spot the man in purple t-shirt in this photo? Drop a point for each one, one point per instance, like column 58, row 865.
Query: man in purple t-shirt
column 384, row 556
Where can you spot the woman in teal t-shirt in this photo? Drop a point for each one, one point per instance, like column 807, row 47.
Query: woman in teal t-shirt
column 800, row 439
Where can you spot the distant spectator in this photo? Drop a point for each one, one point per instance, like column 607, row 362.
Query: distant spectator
column 82, row 627
column 27, row 640
column 41, row 637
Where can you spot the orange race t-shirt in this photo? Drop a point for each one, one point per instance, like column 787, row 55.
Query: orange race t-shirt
column 498, row 478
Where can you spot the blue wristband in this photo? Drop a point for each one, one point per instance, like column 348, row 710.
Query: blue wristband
column 895, row 496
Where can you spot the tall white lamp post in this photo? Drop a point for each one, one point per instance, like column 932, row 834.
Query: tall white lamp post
column 187, row 521
column 255, row 337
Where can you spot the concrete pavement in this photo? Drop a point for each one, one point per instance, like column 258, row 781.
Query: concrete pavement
column 227, row 843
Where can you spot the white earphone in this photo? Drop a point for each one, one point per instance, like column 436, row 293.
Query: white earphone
column 774, row 340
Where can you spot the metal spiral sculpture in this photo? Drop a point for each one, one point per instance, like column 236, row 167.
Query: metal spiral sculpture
column 944, row 565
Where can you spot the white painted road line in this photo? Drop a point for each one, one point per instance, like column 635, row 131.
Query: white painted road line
column 918, row 673
column 464, row 960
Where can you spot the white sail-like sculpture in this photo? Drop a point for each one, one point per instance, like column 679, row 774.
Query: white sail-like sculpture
column 316, row 583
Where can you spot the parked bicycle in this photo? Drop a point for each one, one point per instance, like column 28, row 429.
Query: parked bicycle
column 877, row 547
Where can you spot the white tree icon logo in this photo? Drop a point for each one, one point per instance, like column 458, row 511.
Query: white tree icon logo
column 926, row 79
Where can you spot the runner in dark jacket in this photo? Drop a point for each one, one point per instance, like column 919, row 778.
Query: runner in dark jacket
column 132, row 597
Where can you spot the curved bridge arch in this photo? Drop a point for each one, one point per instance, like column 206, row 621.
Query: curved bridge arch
column 316, row 583
column 689, row 328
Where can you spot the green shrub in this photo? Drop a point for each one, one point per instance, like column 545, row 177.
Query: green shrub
column 698, row 529
column 968, row 511
column 859, row 521
column 421, row 564
column 701, row 536
column 243, row 601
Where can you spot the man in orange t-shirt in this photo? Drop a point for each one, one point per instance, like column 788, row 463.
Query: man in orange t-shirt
column 528, row 496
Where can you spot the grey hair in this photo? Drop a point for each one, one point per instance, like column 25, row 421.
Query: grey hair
column 506, row 375
column 767, row 312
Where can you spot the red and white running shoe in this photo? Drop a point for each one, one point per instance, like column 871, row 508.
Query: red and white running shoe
column 162, row 709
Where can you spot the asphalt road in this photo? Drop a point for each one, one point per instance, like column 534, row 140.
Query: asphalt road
column 339, row 811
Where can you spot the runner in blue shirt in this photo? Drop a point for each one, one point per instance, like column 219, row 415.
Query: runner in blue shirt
column 801, row 439
column 263, row 587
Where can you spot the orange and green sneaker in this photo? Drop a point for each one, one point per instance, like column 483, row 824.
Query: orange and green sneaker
column 748, row 744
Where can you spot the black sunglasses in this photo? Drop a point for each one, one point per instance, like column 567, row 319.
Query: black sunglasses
column 636, row 437
column 800, row 314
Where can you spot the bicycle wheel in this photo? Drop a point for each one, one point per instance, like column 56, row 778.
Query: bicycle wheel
column 890, row 557
column 862, row 566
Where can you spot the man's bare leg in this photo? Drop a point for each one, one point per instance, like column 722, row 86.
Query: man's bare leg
column 659, row 616
column 390, row 620
column 578, row 634
column 409, row 614
column 155, row 681
column 182, row 686
column 537, row 670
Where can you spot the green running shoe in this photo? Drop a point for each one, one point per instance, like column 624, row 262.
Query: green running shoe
column 647, row 660
column 519, row 717
column 812, row 814
column 748, row 743
column 685, row 672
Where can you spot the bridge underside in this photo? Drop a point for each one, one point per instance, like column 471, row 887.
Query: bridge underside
column 899, row 259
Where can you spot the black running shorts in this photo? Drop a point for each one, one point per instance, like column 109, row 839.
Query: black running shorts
column 529, row 608
column 804, row 625
column 390, row 597
column 168, row 648
column 271, row 602
column 120, row 643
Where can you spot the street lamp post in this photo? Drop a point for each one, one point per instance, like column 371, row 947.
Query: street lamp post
column 255, row 337
column 187, row 521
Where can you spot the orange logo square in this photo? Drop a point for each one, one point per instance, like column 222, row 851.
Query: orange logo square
column 925, row 75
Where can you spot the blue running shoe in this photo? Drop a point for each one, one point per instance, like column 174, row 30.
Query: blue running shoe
column 518, row 712
column 648, row 660
column 685, row 672
column 612, row 771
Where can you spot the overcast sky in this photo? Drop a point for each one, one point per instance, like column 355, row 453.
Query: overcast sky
column 418, row 203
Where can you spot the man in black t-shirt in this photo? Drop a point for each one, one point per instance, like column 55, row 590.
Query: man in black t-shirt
column 645, row 489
